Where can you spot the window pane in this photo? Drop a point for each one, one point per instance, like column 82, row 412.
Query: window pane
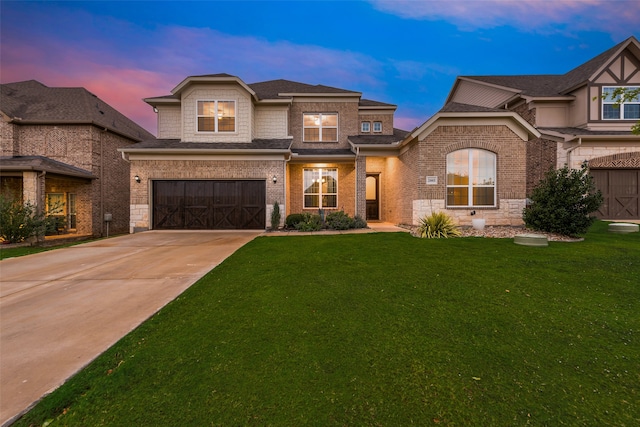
column 483, row 168
column 226, row 124
column 311, row 201
column 366, row 126
column 610, row 111
column 457, row 196
column 206, row 124
column 312, row 134
column 607, row 94
column 311, row 184
column 329, row 134
column 632, row 111
column 483, row 196
column 311, row 120
column 377, row 126
column 206, row 108
column 329, row 120
column 458, row 168
column 329, row 201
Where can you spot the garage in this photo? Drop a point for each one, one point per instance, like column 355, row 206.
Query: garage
column 209, row 205
column 621, row 191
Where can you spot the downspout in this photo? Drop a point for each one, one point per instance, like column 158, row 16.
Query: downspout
column 570, row 150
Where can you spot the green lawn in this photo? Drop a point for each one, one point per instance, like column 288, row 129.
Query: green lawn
column 381, row 329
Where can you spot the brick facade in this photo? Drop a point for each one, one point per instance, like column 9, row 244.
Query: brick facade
column 510, row 153
column 83, row 146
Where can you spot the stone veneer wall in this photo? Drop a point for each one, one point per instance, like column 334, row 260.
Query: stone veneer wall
column 149, row 170
column 511, row 154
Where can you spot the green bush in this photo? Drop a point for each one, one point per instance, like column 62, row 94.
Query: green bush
column 339, row 220
column 359, row 222
column 275, row 216
column 293, row 219
column 309, row 223
column 563, row 201
column 19, row 221
column 437, row 225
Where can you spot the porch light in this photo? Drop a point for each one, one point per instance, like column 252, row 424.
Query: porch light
column 137, row 179
column 274, row 179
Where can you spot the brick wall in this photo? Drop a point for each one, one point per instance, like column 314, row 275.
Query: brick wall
column 386, row 119
column 542, row 156
column 511, row 171
column 8, row 138
column 348, row 123
column 346, row 188
column 91, row 149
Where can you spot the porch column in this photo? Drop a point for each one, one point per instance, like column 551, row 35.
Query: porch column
column 33, row 188
column 361, row 186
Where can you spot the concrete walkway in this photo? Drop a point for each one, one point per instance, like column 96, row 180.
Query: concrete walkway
column 59, row 310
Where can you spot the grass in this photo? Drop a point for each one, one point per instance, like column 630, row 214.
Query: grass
column 381, row 329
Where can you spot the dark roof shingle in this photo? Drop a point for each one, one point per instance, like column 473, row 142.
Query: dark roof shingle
column 33, row 102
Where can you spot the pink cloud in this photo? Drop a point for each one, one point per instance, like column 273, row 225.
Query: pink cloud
column 618, row 17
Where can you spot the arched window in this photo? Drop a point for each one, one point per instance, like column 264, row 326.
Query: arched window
column 471, row 178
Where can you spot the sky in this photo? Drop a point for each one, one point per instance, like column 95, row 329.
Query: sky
column 402, row 52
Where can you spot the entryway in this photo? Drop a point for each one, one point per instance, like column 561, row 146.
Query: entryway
column 373, row 197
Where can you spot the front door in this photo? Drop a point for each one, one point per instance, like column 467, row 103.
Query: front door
column 372, row 195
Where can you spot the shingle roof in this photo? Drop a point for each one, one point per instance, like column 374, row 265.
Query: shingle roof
column 273, row 88
column 553, row 84
column 579, row 131
column 455, row 107
column 173, row 144
column 33, row 102
column 43, row 164
column 371, row 103
column 398, row 135
column 323, row 152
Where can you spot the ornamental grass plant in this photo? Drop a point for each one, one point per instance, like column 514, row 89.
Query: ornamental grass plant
column 437, row 225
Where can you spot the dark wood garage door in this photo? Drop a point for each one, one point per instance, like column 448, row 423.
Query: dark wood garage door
column 621, row 191
column 209, row 205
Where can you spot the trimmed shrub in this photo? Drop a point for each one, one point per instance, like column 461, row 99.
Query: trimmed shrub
column 359, row 222
column 293, row 219
column 275, row 216
column 309, row 223
column 339, row 220
column 563, row 201
column 437, row 225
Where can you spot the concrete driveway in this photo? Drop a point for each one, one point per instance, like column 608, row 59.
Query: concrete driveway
column 61, row 309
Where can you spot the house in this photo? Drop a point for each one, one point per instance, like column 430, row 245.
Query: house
column 227, row 150
column 59, row 150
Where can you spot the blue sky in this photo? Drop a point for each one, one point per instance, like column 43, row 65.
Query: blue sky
column 404, row 52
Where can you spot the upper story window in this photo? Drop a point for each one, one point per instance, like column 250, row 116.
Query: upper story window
column 320, row 127
column 471, row 178
column 365, row 127
column 216, row 116
column 377, row 126
column 619, row 107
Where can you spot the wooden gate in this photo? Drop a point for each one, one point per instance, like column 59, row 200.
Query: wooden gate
column 621, row 191
column 209, row 205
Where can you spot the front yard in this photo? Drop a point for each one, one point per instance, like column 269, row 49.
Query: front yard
column 381, row 329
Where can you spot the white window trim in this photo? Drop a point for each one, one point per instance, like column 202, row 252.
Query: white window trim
column 362, row 124
column 235, row 124
column 304, row 205
column 320, row 127
column 619, row 107
column 374, row 126
column 470, row 185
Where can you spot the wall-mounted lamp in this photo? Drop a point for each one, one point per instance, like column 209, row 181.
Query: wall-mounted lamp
column 137, row 179
column 274, row 179
column 155, row 110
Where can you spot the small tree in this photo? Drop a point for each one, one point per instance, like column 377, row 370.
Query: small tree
column 19, row 221
column 563, row 201
column 275, row 216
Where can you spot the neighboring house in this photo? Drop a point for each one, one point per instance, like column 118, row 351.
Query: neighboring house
column 227, row 150
column 59, row 151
